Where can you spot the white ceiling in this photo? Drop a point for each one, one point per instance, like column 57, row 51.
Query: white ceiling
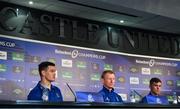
column 112, row 11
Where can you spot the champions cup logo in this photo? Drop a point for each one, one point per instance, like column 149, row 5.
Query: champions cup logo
column 152, row 63
column 7, row 44
column 74, row 53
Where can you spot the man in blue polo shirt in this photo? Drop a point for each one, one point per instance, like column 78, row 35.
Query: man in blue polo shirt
column 44, row 90
column 154, row 96
column 108, row 80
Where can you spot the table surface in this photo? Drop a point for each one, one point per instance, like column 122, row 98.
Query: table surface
column 40, row 104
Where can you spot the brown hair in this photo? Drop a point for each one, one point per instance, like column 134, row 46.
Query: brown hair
column 156, row 80
column 105, row 72
column 44, row 66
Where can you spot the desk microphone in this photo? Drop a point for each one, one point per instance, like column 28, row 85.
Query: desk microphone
column 72, row 92
column 137, row 93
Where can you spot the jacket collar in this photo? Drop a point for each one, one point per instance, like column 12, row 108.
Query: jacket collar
column 107, row 90
column 44, row 87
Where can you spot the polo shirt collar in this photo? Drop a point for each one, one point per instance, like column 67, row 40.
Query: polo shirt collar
column 107, row 90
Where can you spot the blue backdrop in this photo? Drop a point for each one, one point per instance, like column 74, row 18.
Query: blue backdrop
column 80, row 68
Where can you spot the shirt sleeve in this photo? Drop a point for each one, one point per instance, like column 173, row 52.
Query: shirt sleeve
column 144, row 100
column 60, row 95
column 34, row 95
column 120, row 98
column 31, row 96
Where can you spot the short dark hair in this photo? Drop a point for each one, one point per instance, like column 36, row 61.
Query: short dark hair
column 44, row 65
column 156, row 80
column 105, row 72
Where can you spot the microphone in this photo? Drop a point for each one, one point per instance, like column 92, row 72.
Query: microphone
column 75, row 98
column 138, row 93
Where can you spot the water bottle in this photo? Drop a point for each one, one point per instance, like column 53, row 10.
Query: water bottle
column 174, row 98
column 45, row 94
column 132, row 97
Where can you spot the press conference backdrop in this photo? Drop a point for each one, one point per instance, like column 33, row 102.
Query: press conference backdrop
column 80, row 68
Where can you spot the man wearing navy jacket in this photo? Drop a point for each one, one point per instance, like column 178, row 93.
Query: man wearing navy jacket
column 108, row 80
column 44, row 90
column 154, row 96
